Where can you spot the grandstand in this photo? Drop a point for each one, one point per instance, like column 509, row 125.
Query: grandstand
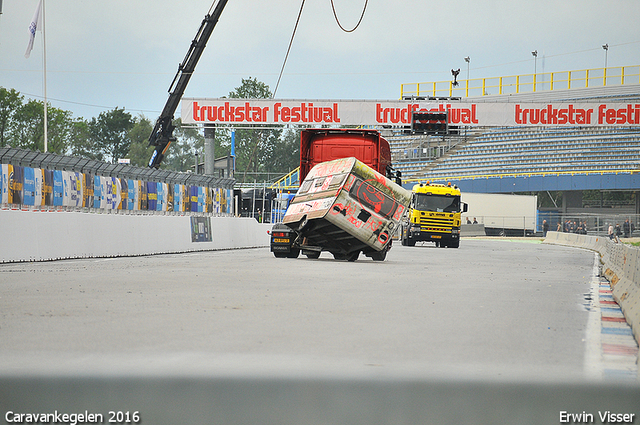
column 518, row 150
column 512, row 151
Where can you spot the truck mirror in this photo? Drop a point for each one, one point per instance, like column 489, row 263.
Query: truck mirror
column 465, row 207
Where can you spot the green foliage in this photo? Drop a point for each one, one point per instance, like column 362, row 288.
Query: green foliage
column 27, row 127
column 255, row 148
column 139, row 151
column 110, row 133
column 80, row 141
column 10, row 100
column 251, row 88
column 284, row 155
column 116, row 134
column 181, row 156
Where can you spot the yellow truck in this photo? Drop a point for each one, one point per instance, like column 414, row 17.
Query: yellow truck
column 434, row 215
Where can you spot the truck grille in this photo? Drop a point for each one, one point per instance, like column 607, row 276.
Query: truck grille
column 436, row 224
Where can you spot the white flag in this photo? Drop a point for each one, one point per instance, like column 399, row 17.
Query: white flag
column 33, row 27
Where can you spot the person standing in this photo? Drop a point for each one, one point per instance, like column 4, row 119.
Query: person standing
column 626, row 228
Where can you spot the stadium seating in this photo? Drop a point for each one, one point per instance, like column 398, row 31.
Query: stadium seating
column 512, row 150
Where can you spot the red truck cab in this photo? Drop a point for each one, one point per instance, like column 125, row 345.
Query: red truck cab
column 325, row 144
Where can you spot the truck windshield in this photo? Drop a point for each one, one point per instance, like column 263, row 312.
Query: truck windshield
column 438, row 203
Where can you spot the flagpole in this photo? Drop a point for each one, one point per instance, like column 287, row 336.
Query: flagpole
column 44, row 56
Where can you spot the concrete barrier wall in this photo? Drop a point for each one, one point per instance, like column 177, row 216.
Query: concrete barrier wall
column 41, row 236
column 470, row 230
column 314, row 400
column 621, row 266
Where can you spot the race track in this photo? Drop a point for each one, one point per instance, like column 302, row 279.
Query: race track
column 490, row 308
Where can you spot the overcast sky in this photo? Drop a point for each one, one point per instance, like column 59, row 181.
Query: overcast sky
column 125, row 53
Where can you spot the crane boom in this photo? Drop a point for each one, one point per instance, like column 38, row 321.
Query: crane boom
column 162, row 134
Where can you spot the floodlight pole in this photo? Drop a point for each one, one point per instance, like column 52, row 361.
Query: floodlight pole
column 44, row 59
column 535, row 68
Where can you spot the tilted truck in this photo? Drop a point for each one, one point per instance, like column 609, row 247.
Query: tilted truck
column 344, row 207
column 434, row 215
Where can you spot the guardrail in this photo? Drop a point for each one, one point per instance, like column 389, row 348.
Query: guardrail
column 526, row 83
column 621, row 265
column 36, row 181
column 524, row 174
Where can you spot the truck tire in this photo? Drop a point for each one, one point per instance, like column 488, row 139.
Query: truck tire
column 353, row 256
column 281, row 254
column 312, row 254
column 293, row 253
column 379, row 256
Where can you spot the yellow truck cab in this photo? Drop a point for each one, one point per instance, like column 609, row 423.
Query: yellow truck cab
column 434, row 215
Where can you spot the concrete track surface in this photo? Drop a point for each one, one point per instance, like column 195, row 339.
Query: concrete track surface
column 494, row 332
column 490, row 307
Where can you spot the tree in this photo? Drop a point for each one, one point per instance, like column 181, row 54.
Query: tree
column 81, row 143
column 111, row 133
column 139, row 151
column 26, row 129
column 285, row 154
column 253, row 146
column 10, row 101
column 28, row 126
column 59, row 124
column 181, row 156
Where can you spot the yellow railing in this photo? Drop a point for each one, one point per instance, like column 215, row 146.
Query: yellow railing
column 523, row 174
column 289, row 181
column 527, row 83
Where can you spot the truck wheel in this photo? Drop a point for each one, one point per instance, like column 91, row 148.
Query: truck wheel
column 379, row 256
column 293, row 253
column 281, row 254
column 411, row 242
column 454, row 244
column 353, row 257
column 312, row 254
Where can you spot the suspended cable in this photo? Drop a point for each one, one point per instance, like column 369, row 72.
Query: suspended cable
column 338, row 21
column 289, row 49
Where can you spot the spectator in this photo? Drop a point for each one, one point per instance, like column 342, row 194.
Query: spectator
column 626, row 228
column 610, row 231
column 545, row 228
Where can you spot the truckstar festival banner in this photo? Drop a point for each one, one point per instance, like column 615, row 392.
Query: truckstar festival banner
column 398, row 113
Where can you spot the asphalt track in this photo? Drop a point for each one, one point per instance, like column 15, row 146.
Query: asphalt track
column 492, row 308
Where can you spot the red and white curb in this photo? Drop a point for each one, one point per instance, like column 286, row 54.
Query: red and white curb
column 611, row 351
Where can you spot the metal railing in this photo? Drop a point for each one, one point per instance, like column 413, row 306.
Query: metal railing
column 595, row 224
column 51, row 161
column 289, row 181
column 454, row 177
column 526, row 83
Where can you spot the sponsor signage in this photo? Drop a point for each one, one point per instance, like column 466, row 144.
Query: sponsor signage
column 399, row 113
